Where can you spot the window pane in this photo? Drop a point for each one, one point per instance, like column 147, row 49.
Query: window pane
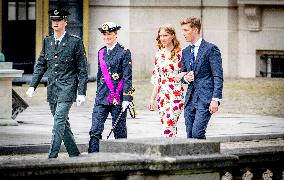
column 22, row 11
column 11, row 11
column 31, row 10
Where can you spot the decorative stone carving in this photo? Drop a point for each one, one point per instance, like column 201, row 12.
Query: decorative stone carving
column 247, row 176
column 227, row 176
column 254, row 17
column 267, row 175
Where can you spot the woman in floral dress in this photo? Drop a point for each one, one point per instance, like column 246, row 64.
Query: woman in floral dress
column 167, row 88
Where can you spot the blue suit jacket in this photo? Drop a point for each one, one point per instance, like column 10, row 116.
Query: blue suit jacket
column 119, row 62
column 208, row 73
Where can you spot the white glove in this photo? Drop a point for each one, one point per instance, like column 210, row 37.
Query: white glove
column 125, row 104
column 80, row 100
column 30, row 92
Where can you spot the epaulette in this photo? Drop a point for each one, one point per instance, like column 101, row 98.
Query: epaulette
column 49, row 36
column 73, row 35
column 130, row 93
column 123, row 47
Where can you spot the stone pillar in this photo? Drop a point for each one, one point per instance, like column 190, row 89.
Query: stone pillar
column 6, row 77
column 269, row 67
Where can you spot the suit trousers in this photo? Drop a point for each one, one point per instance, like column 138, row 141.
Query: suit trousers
column 62, row 130
column 197, row 116
column 99, row 116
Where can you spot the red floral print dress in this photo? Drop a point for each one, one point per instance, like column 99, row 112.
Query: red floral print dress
column 170, row 95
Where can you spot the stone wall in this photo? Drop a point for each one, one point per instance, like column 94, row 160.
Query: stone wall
column 261, row 28
column 140, row 21
column 240, row 28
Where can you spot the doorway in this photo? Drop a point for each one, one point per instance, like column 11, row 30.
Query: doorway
column 19, row 27
column 75, row 20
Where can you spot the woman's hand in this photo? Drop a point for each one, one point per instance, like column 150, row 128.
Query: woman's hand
column 179, row 76
column 151, row 107
column 190, row 76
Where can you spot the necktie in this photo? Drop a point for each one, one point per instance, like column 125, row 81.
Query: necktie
column 56, row 44
column 192, row 58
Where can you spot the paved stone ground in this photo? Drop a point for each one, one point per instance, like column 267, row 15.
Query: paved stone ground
column 36, row 125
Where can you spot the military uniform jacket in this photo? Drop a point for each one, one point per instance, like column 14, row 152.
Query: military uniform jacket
column 66, row 68
column 119, row 66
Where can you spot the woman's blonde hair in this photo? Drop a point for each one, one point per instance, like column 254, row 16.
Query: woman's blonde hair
column 171, row 30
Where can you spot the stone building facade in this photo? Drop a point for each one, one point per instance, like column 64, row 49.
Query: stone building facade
column 249, row 33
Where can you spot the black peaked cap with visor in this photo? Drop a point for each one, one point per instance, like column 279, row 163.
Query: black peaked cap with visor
column 58, row 14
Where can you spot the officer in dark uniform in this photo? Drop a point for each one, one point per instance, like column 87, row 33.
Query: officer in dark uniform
column 114, row 86
column 63, row 57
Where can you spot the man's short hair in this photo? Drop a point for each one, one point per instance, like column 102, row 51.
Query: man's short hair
column 193, row 22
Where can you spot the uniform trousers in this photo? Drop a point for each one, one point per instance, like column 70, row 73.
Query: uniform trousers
column 197, row 116
column 99, row 116
column 62, row 130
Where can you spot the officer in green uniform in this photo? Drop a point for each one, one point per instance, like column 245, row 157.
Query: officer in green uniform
column 64, row 61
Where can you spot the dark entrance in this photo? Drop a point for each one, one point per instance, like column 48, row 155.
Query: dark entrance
column 19, row 28
column 277, row 66
column 75, row 20
column 272, row 65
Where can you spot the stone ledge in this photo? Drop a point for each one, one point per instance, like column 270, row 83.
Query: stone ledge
column 114, row 163
column 10, row 73
column 126, row 165
column 6, row 65
column 160, row 146
column 33, row 149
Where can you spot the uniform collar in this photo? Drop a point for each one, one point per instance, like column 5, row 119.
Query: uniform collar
column 111, row 48
column 60, row 38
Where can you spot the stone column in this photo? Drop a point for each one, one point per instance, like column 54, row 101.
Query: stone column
column 269, row 67
column 6, row 77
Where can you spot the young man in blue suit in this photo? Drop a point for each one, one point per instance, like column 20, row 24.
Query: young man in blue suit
column 203, row 63
column 114, row 86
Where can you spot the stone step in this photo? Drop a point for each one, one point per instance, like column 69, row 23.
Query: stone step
column 161, row 146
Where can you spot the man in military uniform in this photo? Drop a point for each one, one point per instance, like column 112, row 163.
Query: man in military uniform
column 114, row 86
column 63, row 57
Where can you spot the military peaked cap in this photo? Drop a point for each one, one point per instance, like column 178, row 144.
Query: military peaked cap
column 58, row 14
column 109, row 27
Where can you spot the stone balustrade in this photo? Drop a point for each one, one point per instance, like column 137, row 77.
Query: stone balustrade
column 157, row 158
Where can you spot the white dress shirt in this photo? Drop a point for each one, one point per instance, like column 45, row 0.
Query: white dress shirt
column 111, row 48
column 60, row 38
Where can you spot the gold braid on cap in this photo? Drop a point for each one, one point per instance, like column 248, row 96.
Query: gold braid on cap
column 105, row 27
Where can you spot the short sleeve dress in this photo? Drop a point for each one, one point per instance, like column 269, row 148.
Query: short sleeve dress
column 170, row 95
